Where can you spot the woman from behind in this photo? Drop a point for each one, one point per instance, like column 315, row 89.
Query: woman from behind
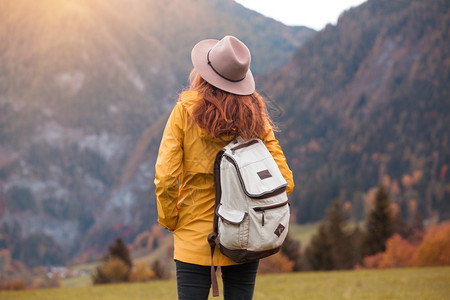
column 220, row 104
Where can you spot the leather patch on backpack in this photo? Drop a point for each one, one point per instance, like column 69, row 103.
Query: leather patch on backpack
column 264, row 174
column 279, row 230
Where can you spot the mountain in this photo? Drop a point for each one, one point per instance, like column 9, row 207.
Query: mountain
column 366, row 102
column 85, row 87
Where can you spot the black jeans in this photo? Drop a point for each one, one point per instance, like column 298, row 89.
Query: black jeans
column 194, row 281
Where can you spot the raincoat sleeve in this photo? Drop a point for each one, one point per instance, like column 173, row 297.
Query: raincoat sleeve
column 168, row 169
column 274, row 148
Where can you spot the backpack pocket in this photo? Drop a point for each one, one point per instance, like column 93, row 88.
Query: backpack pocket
column 236, row 225
column 258, row 172
column 269, row 225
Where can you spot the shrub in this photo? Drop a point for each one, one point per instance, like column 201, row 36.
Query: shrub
column 435, row 247
column 434, row 250
column 141, row 272
column 371, row 262
column 13, row 284
column 111, row 271
column 277, row 263
column 399, row 253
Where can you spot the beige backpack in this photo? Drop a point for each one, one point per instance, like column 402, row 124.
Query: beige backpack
column 251, row 207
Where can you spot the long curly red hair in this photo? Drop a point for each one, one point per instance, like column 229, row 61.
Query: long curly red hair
column 224, row 114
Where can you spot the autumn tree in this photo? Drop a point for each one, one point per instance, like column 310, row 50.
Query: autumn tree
column 380, row 225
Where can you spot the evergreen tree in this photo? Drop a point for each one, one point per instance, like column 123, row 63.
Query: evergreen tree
column 343, row 248
column 319, row 253
column 119, row 250
column 333, row 246
column 380, row 225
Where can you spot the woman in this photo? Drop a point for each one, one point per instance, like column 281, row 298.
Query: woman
column 220, row 104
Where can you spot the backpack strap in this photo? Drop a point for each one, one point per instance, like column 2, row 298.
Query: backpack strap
column 213, row 235
column 215, row 285
column 217, row 195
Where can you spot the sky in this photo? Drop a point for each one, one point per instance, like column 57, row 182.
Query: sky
column 315, row 14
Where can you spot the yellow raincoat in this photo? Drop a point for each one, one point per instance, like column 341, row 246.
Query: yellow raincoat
column 185, row 185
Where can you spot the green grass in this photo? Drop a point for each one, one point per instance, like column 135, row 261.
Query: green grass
column 420, row 283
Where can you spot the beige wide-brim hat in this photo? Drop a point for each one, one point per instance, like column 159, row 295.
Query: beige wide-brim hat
column 225, row 64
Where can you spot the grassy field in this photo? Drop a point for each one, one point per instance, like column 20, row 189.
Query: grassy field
column 421, row 283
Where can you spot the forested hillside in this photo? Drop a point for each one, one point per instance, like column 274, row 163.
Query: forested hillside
column 84, row 88
column 366, row 102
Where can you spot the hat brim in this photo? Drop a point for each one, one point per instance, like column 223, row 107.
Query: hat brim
column 200, row 61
